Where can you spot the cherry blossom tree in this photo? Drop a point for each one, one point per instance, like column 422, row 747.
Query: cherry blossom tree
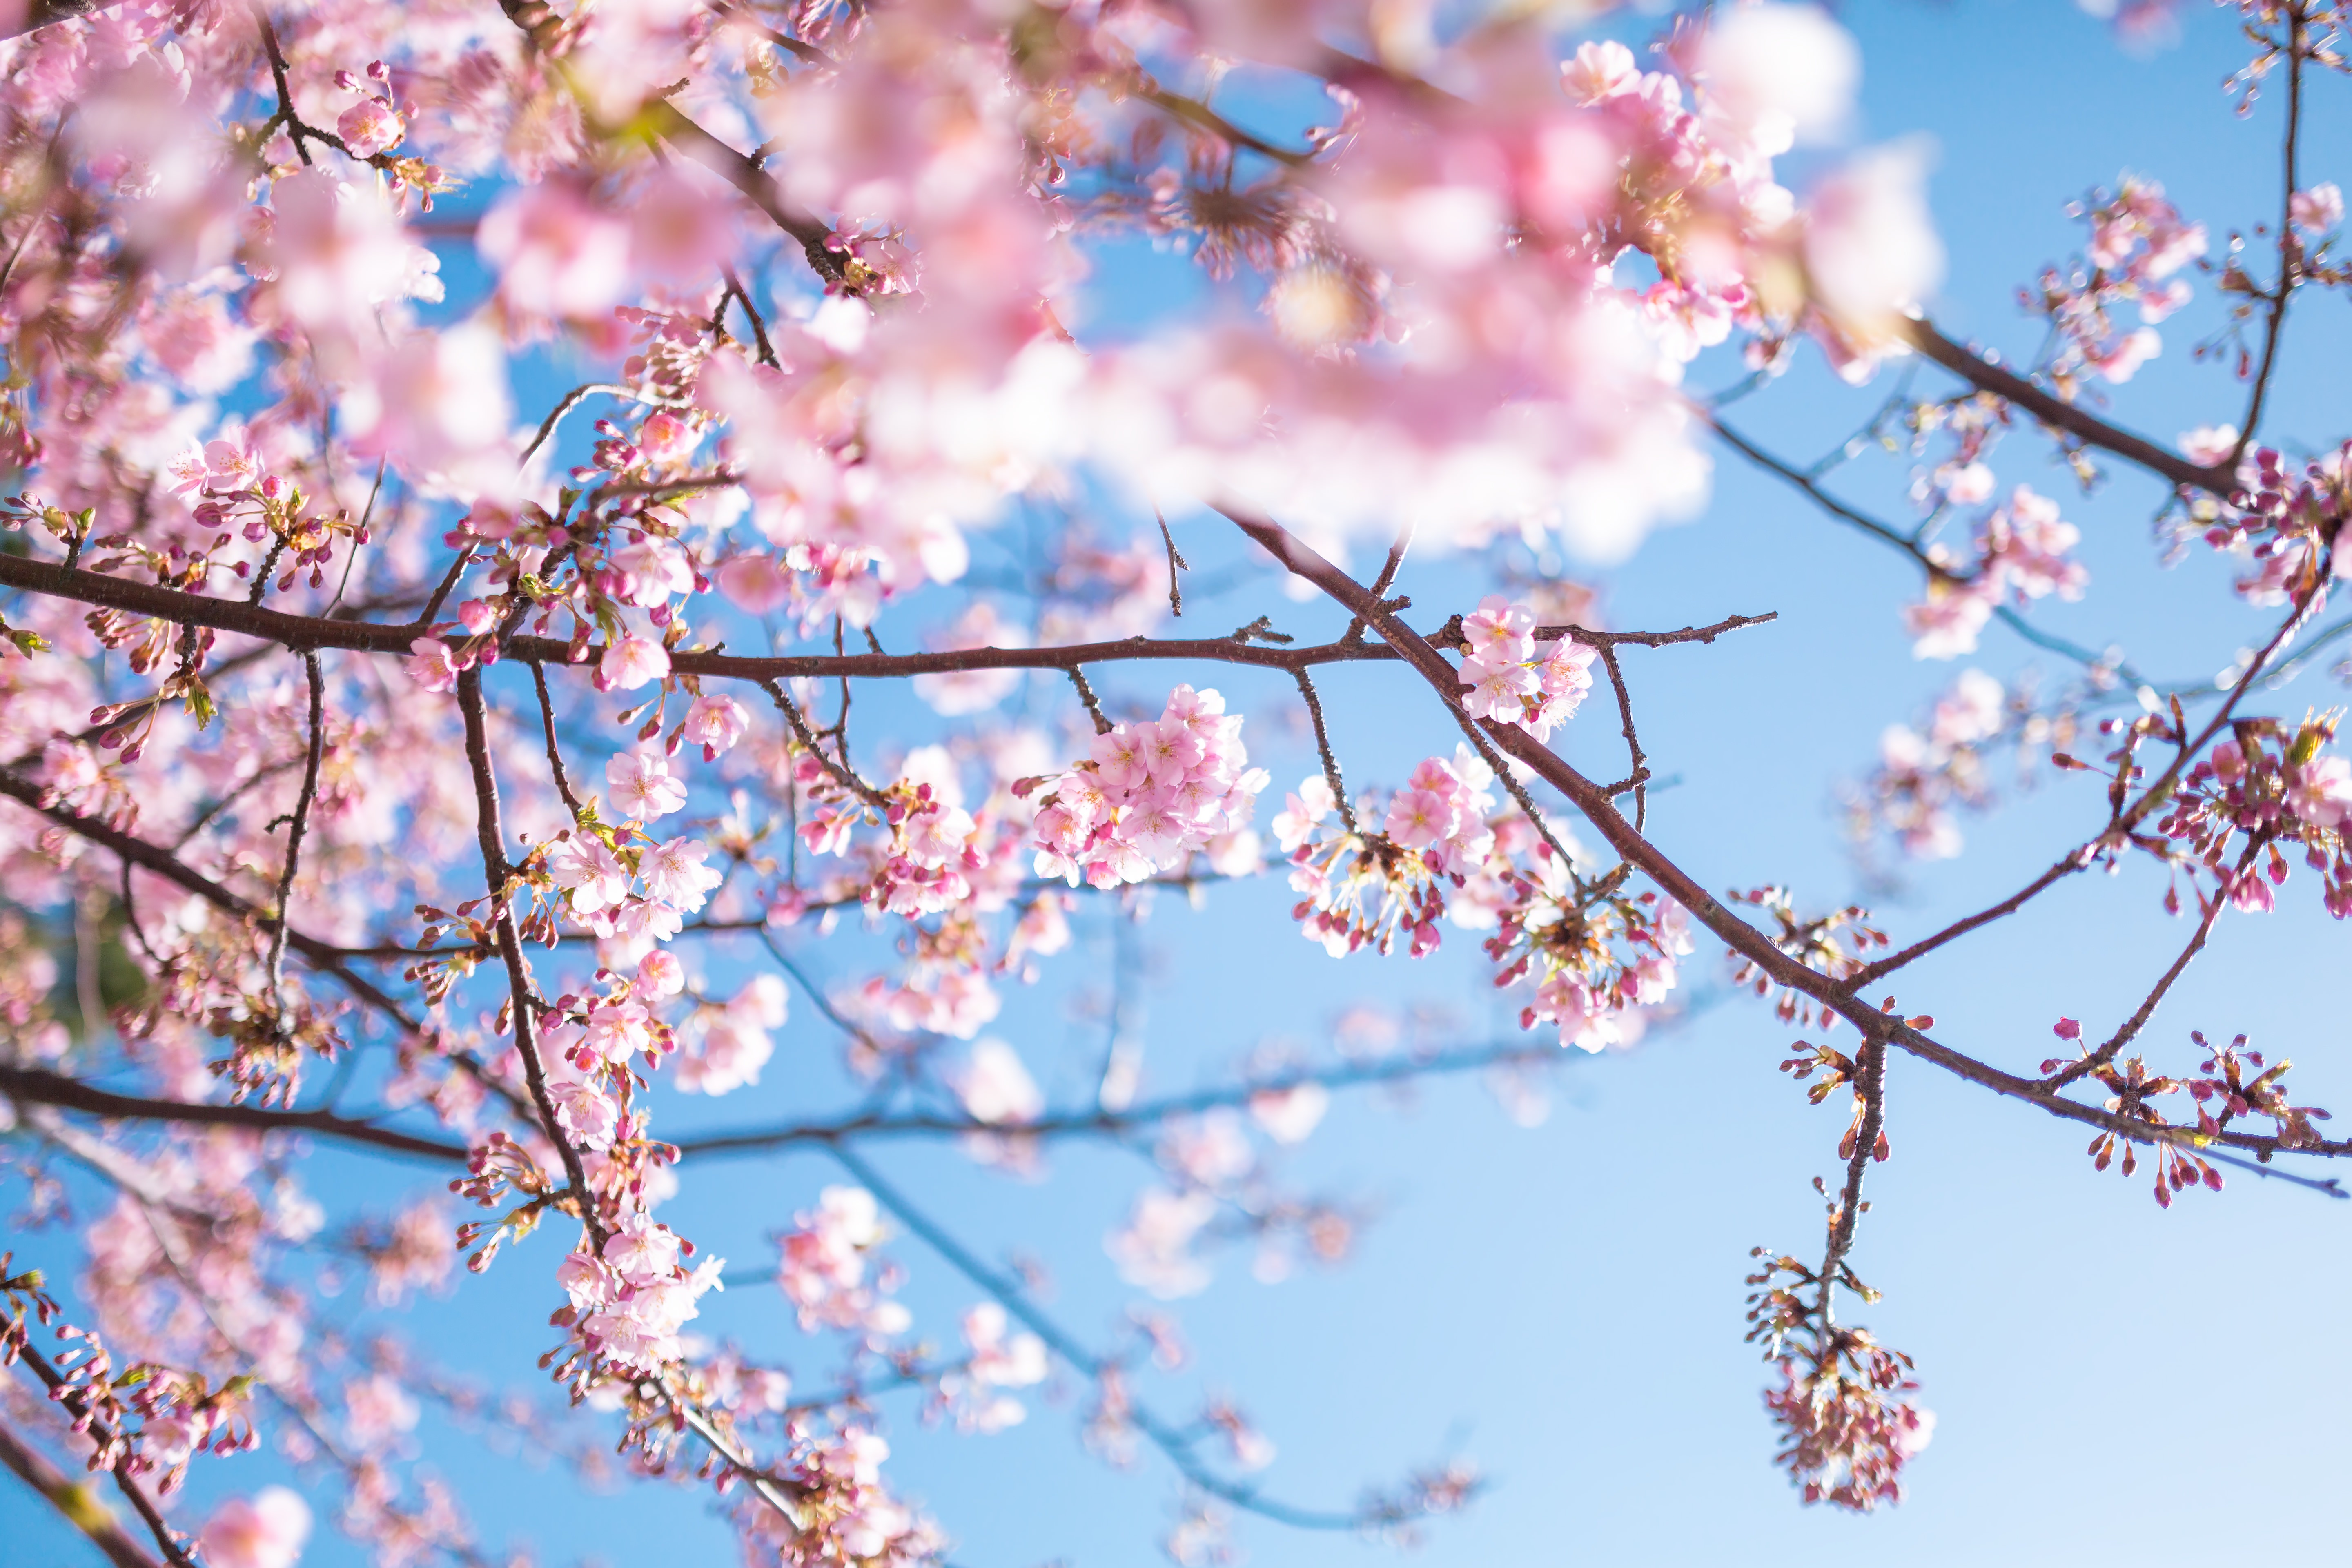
column 397, row 771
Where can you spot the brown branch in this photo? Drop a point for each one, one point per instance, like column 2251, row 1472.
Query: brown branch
column 1709, row 911
column 1871, row 1087
column 124, row 1482
column 74, row 1499
column 2087, row 428
column 2146, row 1009
column 2290, row 244
column 554, row 753
column 298, row 825
column 1172, row 1442
column 1323, row 750
column 1175, row 561
column 1110, row 1123
column 2120, row 824
column 162, row 863
column 1200, row 117
column 1102, row 723
column 34, row 1085
column 495, row 873
column 381, row 638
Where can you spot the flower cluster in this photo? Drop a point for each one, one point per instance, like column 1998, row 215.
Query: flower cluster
column 1506, row 683
column 1362, row 887
column 2285, row 522
column 2020, row 554
column 827, row 1256
column 1592, row 952
column 1928, row 772
column 845, row 1513
column 998, row 1360
column 2138, row 243
column 1152, row 795
column 630, row 1297
column 2268, row 785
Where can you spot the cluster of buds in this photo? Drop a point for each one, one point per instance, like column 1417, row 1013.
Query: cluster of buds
column 1815, row 943
column 234, row 493
column 1844, row 1407
column 2287, row 522
column 660, row 444
column 1848, row 1427
column 128, row 726
column 2233, row 1083
column 142, row 1420
column 371, row 129
column 2268, row 785
column 268, row 1036
column 841, row 1513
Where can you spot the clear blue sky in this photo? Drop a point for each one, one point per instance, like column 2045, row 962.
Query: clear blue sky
column 1564, row 1305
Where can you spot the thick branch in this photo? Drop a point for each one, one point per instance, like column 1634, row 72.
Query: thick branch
column 34, row 1086
column 2087, row 428
column 74, row 1500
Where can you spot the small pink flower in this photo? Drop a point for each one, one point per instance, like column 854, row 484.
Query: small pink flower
column 1599, row 71
column 675, row 871
column 660, row 974
column 592, row 873
column 371, row 126
column 2316, row 210
column 431, row 665
column 632, row 662
column 642, row 785
column 715, row 723
column 265, row 1532
column 666, row 438
column 1417, row 818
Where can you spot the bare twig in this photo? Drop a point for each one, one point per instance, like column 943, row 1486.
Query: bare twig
column 298, row 826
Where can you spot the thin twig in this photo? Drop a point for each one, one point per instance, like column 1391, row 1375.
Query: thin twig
column 554, row 753
column 1323, row 749
column 1094, row 705
column 1175, row 561
column 300, row 825
column 495, row 873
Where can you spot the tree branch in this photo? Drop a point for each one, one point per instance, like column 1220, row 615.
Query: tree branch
column 74, row 1499
column 2087, row 428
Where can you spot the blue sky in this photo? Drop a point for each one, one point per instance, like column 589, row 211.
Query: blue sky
column 1563, row 1305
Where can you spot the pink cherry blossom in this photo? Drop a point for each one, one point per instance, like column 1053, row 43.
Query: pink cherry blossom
column 267, row 1531
column 642, row 785
column 632, row 662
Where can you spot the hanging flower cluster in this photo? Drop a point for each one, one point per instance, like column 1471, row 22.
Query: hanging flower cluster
column 1152, row 795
